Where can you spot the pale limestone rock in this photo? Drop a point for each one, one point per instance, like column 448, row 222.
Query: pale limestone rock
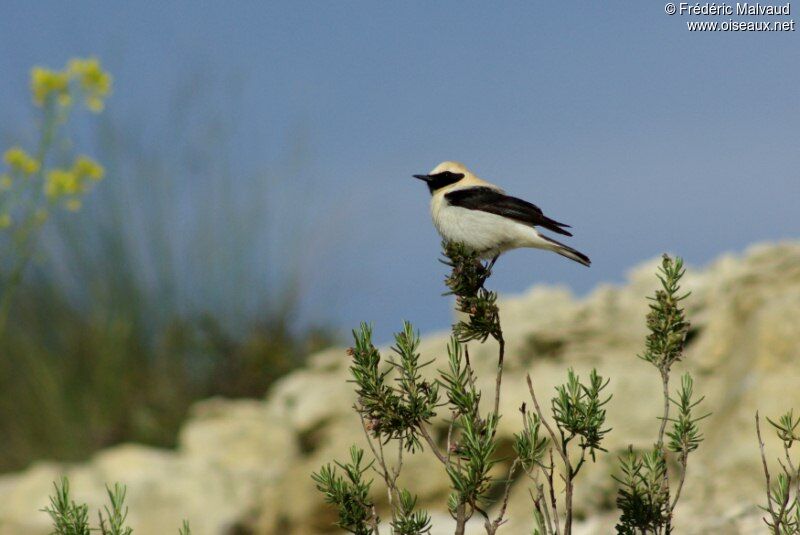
column 228, row 455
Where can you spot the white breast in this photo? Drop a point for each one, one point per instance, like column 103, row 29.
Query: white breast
column 486, row 233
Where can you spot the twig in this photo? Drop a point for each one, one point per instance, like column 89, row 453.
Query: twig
column 483, row 513
column 391, row 487
column 469, row 366
column 684, row 460
column 785, row 501
column 374, row 520
column 793, row 471
column 543, row 510
column 661, row 431
column 546, row 511
column 453, row 416
column 429, row 439
column 461, row 520
column 775, row 519
column 399, row 465
column 544, row 421
column 560, row 446
column 665, row 418
column 501, row 354
column 554, row 503
column 461, row 513
column 366, row 434
column 568, row 501
column 492, row 528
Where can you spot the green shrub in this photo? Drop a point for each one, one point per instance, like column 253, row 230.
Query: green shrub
column 645, row 490
column 783, row 494
column 70, row 518
column 396, row 404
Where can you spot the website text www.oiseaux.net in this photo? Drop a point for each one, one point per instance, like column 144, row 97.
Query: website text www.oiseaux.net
column 739, row 9
column 740, row 26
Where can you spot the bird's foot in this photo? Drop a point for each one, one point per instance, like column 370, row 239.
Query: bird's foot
column 486, row 270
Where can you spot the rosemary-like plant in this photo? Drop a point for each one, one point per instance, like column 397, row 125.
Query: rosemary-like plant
column 479, row 304
column 350, row 493
column 396, row 404
column 392, row 409
column 113, row 523
column 644, row 495
column 70, row 518
column 578, row 413
column 783, row 495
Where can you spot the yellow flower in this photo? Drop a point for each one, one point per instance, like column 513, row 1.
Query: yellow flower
column 19, row 160
column 95, row 104
column 72, row 182
column 65, row 100
column 94, row 81
column 5, row 221
column 45, row 83
column 85, row 167
column 61, row 182
column 5, row 182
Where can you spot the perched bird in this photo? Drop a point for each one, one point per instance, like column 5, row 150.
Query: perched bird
column 480, row 215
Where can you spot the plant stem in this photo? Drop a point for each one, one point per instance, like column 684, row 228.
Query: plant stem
column 775, row 519
column 28, row 241
column 491, row 527
column 13, row 282
column 792, row 470
column 553, row 501
column 501, row 355
column 665, row 418
column 544, row 420
column 389, row 477
column 561, row 447
column 429, row 439
column 661, row 431
column 568, row 502
column 461, row 519
column 683, row 462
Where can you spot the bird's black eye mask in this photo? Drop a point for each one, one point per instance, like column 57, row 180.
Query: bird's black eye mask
column 440, row 180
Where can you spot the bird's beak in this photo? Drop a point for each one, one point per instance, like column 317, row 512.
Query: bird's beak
column 425, row 178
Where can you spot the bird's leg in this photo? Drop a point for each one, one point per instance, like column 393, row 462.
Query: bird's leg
column 487, row 269
column 491, row 263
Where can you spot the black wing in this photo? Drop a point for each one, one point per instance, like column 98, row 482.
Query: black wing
column 492, row 201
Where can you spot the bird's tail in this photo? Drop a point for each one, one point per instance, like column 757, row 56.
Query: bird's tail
column 569, row 252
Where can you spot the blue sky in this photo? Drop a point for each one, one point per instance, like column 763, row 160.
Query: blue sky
column 611, row 116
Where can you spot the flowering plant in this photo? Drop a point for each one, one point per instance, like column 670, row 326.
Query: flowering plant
column 30, row 185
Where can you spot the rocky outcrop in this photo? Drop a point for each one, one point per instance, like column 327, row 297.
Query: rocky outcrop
column 244, row 466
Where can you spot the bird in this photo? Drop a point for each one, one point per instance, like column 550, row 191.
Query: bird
column 480, row 215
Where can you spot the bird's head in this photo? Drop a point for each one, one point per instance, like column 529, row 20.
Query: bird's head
column 443, row 175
